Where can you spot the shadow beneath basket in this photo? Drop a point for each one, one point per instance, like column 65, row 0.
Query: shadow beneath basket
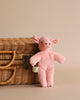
column 20, row 86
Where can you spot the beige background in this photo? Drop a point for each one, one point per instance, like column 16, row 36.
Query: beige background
column 58, row 19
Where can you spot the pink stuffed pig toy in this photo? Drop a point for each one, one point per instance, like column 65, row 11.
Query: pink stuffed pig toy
column 45, row 60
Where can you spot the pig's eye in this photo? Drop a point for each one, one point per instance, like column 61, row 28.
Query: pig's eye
column 41, row 42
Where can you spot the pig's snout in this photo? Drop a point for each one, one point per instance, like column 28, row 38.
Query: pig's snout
column 47, row 43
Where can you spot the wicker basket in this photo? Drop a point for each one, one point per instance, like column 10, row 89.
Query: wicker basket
column 14, row 69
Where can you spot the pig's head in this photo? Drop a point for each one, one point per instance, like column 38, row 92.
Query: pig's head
column 44, row 42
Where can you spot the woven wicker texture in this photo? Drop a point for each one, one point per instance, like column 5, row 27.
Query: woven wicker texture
column 16, row 72
column 20, row 45
column 22, row 76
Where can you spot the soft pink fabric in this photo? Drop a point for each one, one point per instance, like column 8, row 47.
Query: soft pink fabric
column 45, row 60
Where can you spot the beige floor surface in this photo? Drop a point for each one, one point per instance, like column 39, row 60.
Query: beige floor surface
column 66, row 87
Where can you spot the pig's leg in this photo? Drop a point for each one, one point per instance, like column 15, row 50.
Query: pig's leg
column 50, row 76
column 42, row 77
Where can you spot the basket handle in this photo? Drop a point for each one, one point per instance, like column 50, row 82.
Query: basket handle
column 8, row 52
column 14, row 72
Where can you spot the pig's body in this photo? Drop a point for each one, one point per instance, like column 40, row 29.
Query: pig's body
column 45, row 60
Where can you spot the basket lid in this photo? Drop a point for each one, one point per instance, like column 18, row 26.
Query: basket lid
column 20, row 45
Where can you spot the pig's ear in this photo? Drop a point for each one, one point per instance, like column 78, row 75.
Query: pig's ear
column 36, row 38
column 54, row 41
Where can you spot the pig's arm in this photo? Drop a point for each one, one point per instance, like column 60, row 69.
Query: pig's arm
column 59, row 58
column 35, row 59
